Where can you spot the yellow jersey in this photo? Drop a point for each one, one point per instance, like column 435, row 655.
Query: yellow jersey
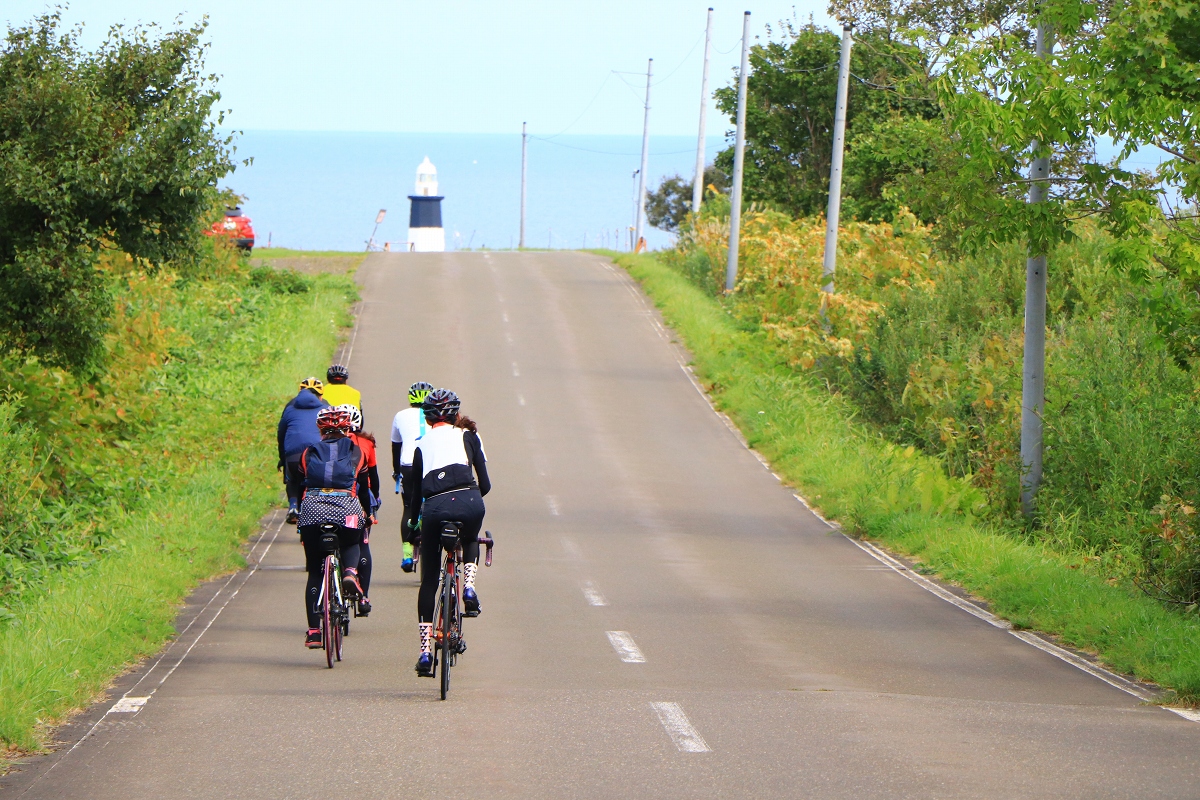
column 340, row 394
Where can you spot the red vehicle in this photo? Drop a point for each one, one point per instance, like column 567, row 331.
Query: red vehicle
column 235, row 226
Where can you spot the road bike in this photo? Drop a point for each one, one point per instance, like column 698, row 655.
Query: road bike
column 448, row 614
column 335, row 611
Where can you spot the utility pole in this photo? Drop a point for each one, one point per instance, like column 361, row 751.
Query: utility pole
column 524, row 154
column 641, row 201
column 834, row 210
column 739, row 158
column 1033, row 379
column 698, row 183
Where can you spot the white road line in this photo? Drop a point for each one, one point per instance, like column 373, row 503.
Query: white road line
column 626, row 648
column 552, row 504
column 128, row 704
column 516, row 372
column 505, row 315
column 592, row 594
column 572, row 550
column 521, row 399
column 687, row 739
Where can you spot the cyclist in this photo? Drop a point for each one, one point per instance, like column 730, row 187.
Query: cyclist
column 443, row 488
column 370, row 502
column 335, row 474
column 338, row 392
column 298, row 430
column 407, row 428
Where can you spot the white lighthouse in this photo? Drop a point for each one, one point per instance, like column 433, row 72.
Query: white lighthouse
column 425, row 232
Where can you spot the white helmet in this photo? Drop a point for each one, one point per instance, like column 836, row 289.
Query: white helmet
column 355, row 415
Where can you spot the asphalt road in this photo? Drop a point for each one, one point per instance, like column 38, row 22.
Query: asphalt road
column 663, row 618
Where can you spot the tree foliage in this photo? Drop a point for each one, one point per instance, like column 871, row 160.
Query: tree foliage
column 792, row 90
column 112, row 148
column 667, row 206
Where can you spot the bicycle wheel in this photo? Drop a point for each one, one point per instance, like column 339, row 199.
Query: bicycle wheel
column 446, row 651
column 328, row 622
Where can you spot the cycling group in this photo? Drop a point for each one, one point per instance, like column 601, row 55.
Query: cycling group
column 330, row 471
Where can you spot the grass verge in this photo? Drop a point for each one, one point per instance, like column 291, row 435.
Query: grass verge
column 904, row 500
column 64, row 644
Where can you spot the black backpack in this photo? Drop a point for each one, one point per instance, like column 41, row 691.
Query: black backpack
column 333, row 465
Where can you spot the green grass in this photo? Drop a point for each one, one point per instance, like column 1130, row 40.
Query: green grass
column 68, row 639
column 905, row 501
column 281, row 252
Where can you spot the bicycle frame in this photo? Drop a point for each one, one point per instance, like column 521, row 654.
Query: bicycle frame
column 447, row 632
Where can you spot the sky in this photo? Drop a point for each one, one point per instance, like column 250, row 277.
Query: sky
column 453, row 66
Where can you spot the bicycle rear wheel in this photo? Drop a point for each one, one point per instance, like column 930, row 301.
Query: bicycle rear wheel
column 328, row 622
column 445, row 648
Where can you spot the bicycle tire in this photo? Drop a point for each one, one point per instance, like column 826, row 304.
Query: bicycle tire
column 328, row 624
column 447, row 620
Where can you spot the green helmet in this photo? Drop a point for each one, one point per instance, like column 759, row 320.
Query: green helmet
column 418, row 391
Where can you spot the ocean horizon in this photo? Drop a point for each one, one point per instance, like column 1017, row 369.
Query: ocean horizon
column 311, row 190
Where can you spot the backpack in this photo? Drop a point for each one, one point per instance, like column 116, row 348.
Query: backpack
column 333, row 465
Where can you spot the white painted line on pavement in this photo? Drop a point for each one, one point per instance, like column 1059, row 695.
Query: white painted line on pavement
column 572, row 550
column 505, row 315
column 592, row 594
column 508, row 337
column 626, row 648
column 521, row 399
column 516, row 372
column 552, row 504
column 933, row 588
column 687, row 739
column 1110, row 678
column 128, row 704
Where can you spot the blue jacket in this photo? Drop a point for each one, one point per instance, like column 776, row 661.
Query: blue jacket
column 298, row 424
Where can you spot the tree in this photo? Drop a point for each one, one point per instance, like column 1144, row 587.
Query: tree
column 789, row 118
column 667, row 206
column 112, row 148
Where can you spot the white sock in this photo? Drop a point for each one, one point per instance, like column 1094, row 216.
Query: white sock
column 426, row 636
column 469, row 570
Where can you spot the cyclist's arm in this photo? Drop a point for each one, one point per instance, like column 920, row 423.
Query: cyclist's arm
column 412, row 487
column 475, row 455
column 397, row 445
column 281, row 432
column 373, row 479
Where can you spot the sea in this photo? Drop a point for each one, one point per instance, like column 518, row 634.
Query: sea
column 311, row 190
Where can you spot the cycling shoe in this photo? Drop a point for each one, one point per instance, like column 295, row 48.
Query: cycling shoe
column 425, row 665
column 470, row 603
column 313, row 639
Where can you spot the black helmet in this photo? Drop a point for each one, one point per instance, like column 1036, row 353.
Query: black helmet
column 337, row 374
column 418, row 391
column 441, row 405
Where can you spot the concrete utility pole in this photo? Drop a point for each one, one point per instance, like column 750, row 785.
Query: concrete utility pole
column 834, row 209
column 739, row 158
column 641, row 202
column 524, row 155
column 698, row 183
column 1033, row 380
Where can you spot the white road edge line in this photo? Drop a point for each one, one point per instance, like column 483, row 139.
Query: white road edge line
column 1032, row 639
column 592, row 594
column 626, row 648
column 687, row 739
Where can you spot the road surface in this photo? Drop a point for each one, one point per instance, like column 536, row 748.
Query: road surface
column 663, row 619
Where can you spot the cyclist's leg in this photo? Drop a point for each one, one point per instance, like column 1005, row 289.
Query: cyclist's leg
column 293, row 480
column 467, row 509
column 431, row 568
column 350, row 540
column 314, row 562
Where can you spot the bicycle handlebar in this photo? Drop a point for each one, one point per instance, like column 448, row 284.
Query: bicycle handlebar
column 487, row 541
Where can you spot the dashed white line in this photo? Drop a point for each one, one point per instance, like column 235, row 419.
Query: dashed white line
column 687, row 739
column 571, row 549
column 516, row 372
column 128, row 705
column 521, row 399
column 552, row 504
column 505, row 316
column 626, row 648
column 592, row 594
